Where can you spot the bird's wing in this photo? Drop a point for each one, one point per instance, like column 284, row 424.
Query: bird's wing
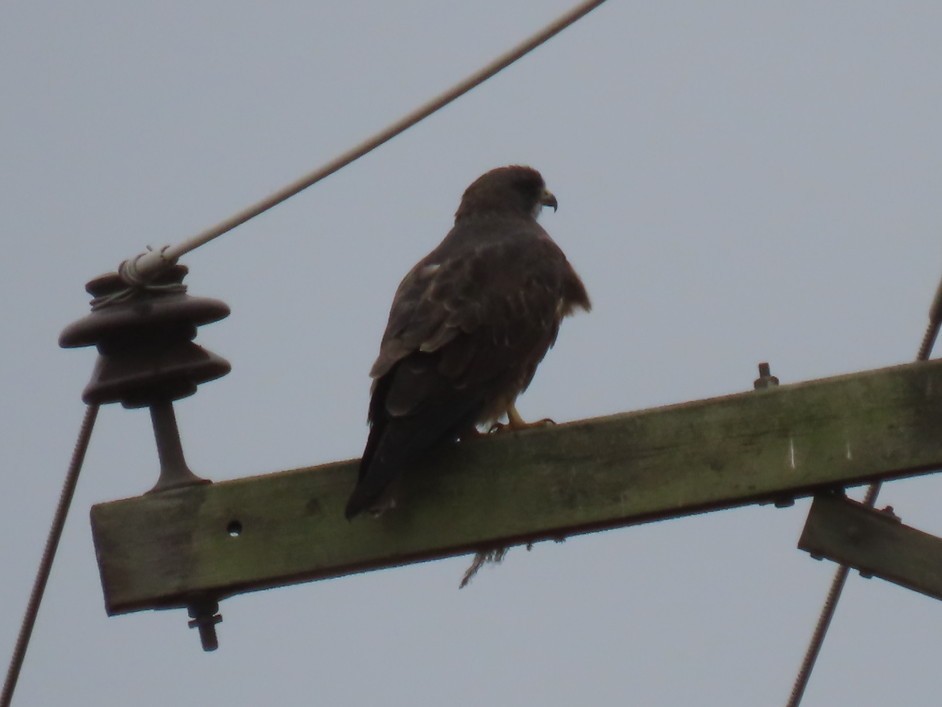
column 477, row 315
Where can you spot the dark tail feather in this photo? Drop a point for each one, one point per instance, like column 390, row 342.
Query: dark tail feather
column 395, row 444
column 359, row 501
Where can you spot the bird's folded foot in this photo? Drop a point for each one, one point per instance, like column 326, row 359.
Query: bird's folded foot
column 516, row 423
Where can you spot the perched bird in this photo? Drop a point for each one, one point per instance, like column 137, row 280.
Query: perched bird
column 468, row 326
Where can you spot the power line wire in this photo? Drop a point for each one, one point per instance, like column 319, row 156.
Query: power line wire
column 145, row 265
column 870, row 499
column 49, row 554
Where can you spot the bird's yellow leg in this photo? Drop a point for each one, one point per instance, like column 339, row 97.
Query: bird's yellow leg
column 515, row 420
column 516, row 423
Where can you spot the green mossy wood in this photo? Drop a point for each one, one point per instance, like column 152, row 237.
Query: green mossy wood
column 761, row 446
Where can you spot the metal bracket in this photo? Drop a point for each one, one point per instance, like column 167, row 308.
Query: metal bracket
column 874, row 542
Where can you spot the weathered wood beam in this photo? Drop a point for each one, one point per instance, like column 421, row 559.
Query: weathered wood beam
column 874, row 542
column 764, row 446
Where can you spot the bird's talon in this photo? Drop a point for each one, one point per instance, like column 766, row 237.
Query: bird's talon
column 518, row 425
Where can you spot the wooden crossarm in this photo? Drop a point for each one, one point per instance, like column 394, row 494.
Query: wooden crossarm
column 755, row 447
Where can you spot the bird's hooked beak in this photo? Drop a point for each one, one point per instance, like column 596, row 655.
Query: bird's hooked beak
column 547, row 199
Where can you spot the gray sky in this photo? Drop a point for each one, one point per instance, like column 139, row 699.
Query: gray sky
column 737, row 182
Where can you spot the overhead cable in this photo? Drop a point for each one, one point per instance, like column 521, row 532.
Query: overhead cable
column 144, row 266
column 49, row 554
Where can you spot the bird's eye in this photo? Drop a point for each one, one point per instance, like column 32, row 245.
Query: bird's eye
column 529, row 185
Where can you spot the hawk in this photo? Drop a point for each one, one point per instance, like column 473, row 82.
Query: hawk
column 468, row 326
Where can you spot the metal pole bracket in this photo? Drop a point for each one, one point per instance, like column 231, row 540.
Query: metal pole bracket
column 874, row 542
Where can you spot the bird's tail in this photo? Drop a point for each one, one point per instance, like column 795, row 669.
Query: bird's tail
column 397, row 443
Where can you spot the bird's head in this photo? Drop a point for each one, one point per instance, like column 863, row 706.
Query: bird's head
column 510, row 190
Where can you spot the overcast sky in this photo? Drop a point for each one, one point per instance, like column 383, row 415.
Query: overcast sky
column 737, row 182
